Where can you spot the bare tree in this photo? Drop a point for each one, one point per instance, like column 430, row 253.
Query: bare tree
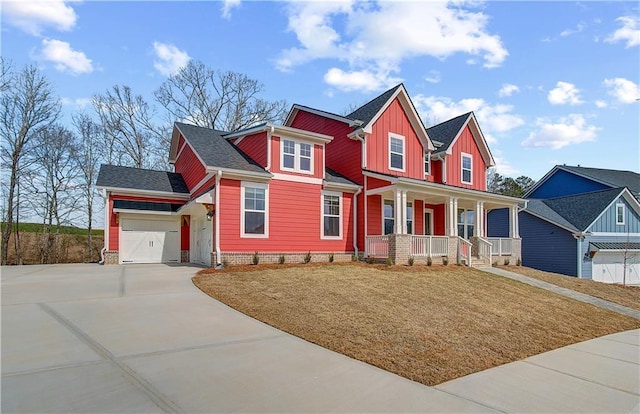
column 88, row 160
column 127, row 121
column 27, row 106
column 226, row 101
column 54, row 185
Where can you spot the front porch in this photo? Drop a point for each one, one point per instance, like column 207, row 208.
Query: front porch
column 410, row 218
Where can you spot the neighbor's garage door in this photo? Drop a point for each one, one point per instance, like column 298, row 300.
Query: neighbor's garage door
column 609, row 268
column 152, row 239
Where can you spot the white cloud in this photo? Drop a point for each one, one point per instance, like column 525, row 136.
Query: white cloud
column 227, row 6
column 64, row 58
column 503, row 167
column 601, row 104
column 568, row 32
column 377, row 37
column 508, row 89
column 169, row 59
column 569, row 130
column 629, row 32
column 34, row 16
column 78, row 103
column 362, row 80
column 493, row 119
column 564, row 93
column 624, row 90
column 433, row 77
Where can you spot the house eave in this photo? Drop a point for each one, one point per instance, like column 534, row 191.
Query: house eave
column 147, row 193
column 286, row 131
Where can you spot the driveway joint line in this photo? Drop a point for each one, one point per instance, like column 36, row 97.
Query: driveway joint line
column 581, row 378
column 466, row 398
column 57, row 367
column 600, row 355
column 122, row 283
column 155, row 395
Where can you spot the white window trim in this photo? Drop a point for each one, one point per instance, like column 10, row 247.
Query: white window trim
column 340, row 198
column 243, row 186
column 296, row 156
column 426, row 225
column 404, row 152
column 427, row 161
column 462, row 156
column 618, row 206
column 392, row 218
column 413, row 217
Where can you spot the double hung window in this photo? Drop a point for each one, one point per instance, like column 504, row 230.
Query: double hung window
column 296, row 156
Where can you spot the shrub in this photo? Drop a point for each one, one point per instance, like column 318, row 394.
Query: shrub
column 354, row 257
column 371, row 260
column 255, row 259
column 225, row 263
column 518, row 262
column 506, row 262
column 330, row 257
column 307, row 257
column 429, row 261
column 281, row 259
column 495, row 263
column 389, row 261
column 411, row 260
column 445, row 260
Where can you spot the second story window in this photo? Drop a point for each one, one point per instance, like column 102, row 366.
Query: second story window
column 467, row 163
column 620, row 214
column 296, row 156
column 396, row 152
column 427, row 162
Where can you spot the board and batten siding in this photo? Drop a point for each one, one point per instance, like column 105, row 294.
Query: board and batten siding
column 294, row 220
column 394, row 120
column 546, row 246
column 587, row 262
column 607, row 222
column 343, row 154
column 563, row 183
column 190, row 167
column 467, row 144
column 255, row 146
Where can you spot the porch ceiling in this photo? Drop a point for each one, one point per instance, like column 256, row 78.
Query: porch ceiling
column 464, row 201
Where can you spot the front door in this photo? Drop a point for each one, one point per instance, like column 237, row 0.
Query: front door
column 203, row 239
column 428, row 222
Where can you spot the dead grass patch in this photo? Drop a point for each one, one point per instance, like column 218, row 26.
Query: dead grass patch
column 628, row 296
column 428, row 324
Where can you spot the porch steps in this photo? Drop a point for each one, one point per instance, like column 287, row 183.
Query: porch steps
column 477, row 262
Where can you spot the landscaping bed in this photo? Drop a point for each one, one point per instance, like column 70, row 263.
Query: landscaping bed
column 428, row 324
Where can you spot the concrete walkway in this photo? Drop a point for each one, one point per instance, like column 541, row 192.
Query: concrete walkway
column 601, row 303
column 142, row 338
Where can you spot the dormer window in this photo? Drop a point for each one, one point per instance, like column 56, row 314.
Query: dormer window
column 466, row 166
column 396, row 152
column 620, row 214
column 427, row 163
column 296, row 156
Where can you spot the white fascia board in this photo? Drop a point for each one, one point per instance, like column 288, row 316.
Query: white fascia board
column 158, row 213
column 145, row 193
column 233, row 173
column 351, row 188
column 283, row 131
column 452, row 191
column 383, row 177
column 296, row 108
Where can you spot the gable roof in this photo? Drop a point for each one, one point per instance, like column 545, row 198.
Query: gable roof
column 575, row 212
column 448, row 132
column 611, row 178
column 335, row 177
column 215, row 151
column 113, row 176
column 297, row 107
column 368, row 111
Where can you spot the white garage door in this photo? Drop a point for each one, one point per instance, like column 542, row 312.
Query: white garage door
column 610, row 268
column 145, row 239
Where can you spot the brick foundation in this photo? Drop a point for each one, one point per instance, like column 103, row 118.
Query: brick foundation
column 247, row 258
column 111, row 257
column 184, row 256
column 400, row 248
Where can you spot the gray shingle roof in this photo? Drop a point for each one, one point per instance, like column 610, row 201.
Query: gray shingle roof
column 447, row 131
column 576, row 212
column 614, row 178
column 215, row 150
column 139, row 179
column 335, row 177
column 616, row 245
column 367, row 111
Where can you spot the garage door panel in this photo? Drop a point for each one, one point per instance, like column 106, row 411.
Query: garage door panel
column 149, row 240
column 613, row 268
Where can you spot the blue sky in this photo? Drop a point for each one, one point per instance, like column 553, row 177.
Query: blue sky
column 550, row 82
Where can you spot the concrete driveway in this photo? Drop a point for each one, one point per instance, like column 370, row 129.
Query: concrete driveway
column 142, row 338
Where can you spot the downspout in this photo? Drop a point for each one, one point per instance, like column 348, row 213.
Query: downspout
column 363, row 160
column 269, row 132
column 217, row 216
column 106, row 227
column 579, row 238
column 355, row 222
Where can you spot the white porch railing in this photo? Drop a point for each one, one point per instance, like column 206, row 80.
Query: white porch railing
column 429, row 246
column 377, row 246
column 500, row 246
column 484, row 248
column 464, row 250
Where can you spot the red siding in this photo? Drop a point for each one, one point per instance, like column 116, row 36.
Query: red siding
column 418, row 217
column 467, row 144
column 395, row 120
column 344, row 155
column 376, row 183
column 255, row 146
column 436, row 171
column 318, row 166
column 374, row 213
column 438, row 218
column 294, row 220
column 190, row 167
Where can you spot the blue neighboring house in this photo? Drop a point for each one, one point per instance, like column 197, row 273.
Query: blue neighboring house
column 582, row 222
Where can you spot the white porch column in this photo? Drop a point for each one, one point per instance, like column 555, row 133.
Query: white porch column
column 403, row 206
column 397, row 212
column 513, row 222
column 453, row 216
column 479, row 219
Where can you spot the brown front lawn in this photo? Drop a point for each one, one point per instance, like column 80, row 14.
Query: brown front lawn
column 429, row 324
column 628, row 296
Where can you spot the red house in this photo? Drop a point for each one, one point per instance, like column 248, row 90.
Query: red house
column 375, row 183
